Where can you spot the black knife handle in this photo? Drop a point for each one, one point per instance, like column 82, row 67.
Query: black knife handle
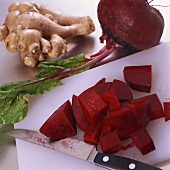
column 121, row 163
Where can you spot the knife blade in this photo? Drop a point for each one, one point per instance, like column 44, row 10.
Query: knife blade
column 80, row 150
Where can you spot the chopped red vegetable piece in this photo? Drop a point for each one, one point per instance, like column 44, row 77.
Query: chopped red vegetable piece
column 138, row 77
column 167, row 110
column 125, row 103
column 142, row 112
column 61, row 123
column 122, row 90
column 81, row 120
column 102, row 88
column 103, row 80
column 92, row 134
column 110, row 143
column 124, row 121
column 143, row 141
column 94, row 108
column 111, row 99
column 155, row 104
column 106, row 126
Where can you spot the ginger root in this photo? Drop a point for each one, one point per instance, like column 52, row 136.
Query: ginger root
column 40, row 31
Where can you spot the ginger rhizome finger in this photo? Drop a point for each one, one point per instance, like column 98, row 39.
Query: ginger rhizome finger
column 40, row 31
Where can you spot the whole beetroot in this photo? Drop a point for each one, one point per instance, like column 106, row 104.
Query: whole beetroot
column 131, row 23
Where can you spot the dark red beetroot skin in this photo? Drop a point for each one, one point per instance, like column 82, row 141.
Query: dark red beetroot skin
column 122, row 90
column 61, row 123
column 103, row 80
column 139, row 77
column 135, row 23
column 167, row 110
column 143, row 141
column 101, row 88
column 81, row 120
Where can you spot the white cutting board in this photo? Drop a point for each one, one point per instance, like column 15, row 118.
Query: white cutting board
column 34, row 157
column 41, row 107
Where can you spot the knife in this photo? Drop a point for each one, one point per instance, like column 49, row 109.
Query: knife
column 80, row 150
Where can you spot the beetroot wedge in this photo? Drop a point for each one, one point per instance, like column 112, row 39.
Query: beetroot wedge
column 143, row 141
column 103, row 80
column 92, row 134
column 61, row 123
column 94, row 108
column 81, row 120
column 101, row 88
column 167, row 110
column 138, row 77
column 111, row 99
column 155, row 104
column 122, row 90
column 110, row 143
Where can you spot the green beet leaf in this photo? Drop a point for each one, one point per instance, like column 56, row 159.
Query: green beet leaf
column 64, row 64
column 46, row 72
column 38, row 86
column 13, row 109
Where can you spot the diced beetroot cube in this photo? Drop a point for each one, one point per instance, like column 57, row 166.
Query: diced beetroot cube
column 124, row 121
column 102, row 88
column 122, row 90
column 142, row 112
column 92, row 134
column 94, row 108
column 155, row 104
column 81, row 120
column 103, row 80
column 167, row 110
column 106, row 126
column 143, row 141
column 138, row 77
column 110, row 143
column 61, row 123
column 111, row 99
column 125, row 103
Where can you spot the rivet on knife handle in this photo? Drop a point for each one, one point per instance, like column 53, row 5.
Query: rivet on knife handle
column 121, row 163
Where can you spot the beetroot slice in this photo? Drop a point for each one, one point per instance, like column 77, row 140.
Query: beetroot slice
column 94, row 108
column 111, row 99
column 124, row 103
column 143, row 141
column 106, row 126
column 81, row 120
column 167, row 110
column 124, row 121
column 155, row 104
column 103, row 80
column 110, row 143
column 61, row 123
column 122, row 90
column 92, row 134
column 101, row 88
column 138, row 77
column 142, row 112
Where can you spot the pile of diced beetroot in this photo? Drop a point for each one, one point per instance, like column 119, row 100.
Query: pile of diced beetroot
column 108, row 114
